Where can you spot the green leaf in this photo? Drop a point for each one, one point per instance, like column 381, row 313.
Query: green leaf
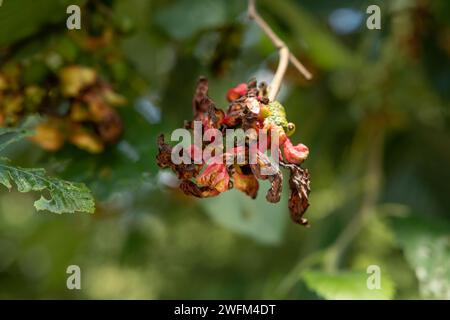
column 426, row 245
column 349, row 285
column 262, row 221
column 185, row 18
column 11, row 135
column 64, row 196
column 26, row 17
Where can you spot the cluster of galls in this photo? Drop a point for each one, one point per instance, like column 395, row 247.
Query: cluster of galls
column 78, row 107
column 249, row 108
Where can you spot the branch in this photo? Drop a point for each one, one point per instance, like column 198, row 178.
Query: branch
column 285, row 55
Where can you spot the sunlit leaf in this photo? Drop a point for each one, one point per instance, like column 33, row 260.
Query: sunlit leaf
column 64, row 196
column 427, row 249
column 348, row 285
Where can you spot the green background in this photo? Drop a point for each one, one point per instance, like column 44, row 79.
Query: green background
column 375, row 118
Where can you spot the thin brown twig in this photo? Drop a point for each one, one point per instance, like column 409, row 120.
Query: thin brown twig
column 285, row 54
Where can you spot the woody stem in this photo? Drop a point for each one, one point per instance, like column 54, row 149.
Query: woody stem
column 285, row 55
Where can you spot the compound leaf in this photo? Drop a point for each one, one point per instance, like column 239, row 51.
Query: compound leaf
column 63, row 196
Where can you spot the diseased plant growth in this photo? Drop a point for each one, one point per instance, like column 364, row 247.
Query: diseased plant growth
column 249, row 108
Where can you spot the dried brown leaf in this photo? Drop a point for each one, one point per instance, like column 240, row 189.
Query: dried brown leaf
column 191, row 189
column 183, row 171
column 299, row 184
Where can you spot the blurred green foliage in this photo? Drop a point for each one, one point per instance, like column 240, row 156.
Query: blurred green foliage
column 375, row 118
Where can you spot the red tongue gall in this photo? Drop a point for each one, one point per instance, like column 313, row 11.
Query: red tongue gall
column 295, row 154
column 237, row 92
column 215, row 176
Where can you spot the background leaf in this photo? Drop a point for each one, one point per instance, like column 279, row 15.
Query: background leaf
column 348, row 285
column 191, row 17
column 11, row 135
column 262, row 221
column 426, row 245
column 26, row 17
